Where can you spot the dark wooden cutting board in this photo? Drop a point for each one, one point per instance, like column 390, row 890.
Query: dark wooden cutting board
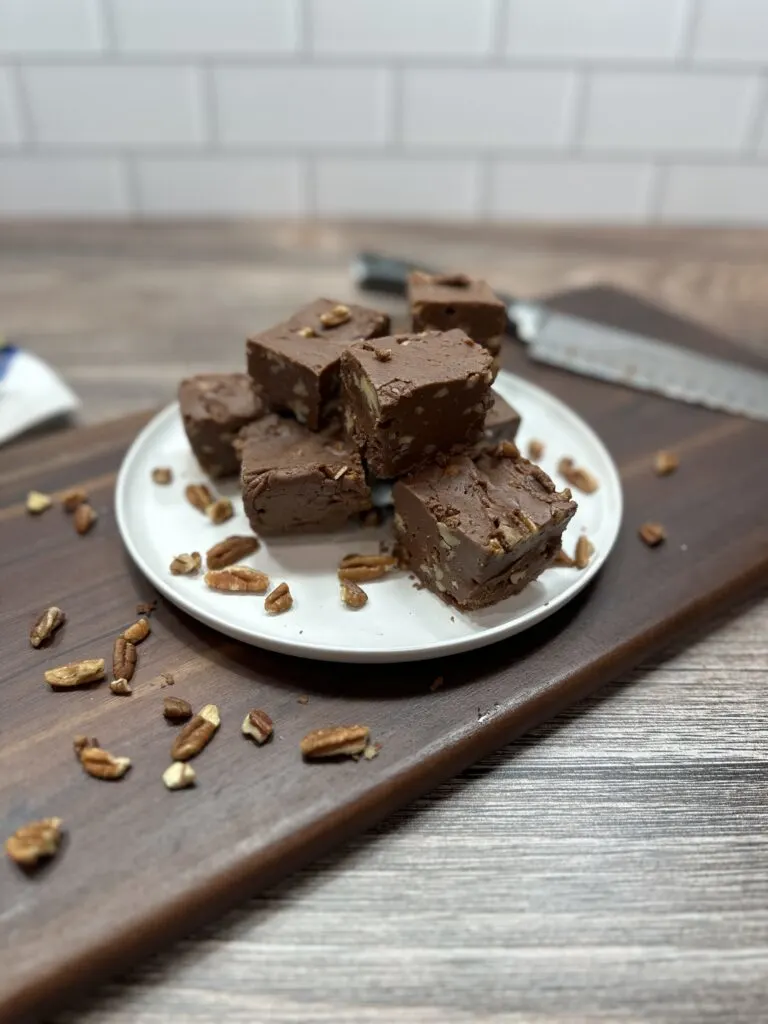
column 140, row 865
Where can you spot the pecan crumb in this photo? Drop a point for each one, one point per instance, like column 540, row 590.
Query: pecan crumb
column 51, row 620
column 175, row 709
column 335, row 317
column 335, row 741
column 72, row 499
column 220, row 511
column 382, row 354
column 196, row 734
column 34, row 841
column 307, row 332
column 303, row 699
column 231, row 550
column 352, row 595
column 186, row 565
column 279, row 601
column 536, row 449
column 38, row 502
column 123, row 658
column 237, row 579
column 76, row 673
column 167, row 678
column 179, row 775
column 121, row 687
column 102, row 765
column 146, row 607
column 584, row 551
column 79, row 743
column 258, row 725
column 577, row 476
column 652, row 534
column 436, row 683
column 84, row 518
column 371, row 750
column 137, row 632
column 162, row 475
column 362, row 568
column 198, row 496
column 665, row 462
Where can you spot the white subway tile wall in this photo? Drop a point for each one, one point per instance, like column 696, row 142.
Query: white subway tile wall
column 547, row 110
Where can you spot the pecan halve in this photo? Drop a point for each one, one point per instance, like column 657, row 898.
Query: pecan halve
column 362, row 568
column 51, row 619
column 196, row 734
column 103, row 765
column 139, row 631
column 335, row 741
column 198, row 496
column 237, row 579
column 231, row 550
column 76, row 673
column 34, row 841
column 123, row 659
column 280, row 600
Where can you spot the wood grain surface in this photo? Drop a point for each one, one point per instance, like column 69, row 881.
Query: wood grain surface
column 615, row 872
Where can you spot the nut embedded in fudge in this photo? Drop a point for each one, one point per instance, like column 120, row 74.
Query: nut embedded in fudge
column 295, row 480
column 297, row 362
column 478, row 532
column 442, row 301
column 411, row 396
column 214, row 407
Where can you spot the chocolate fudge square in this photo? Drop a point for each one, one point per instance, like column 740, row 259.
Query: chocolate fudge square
column 501, row 423
column 442, row 301
column 410, row 396
column 478, row 532
column 297, row 362
column 214, row 407
column 295, row 480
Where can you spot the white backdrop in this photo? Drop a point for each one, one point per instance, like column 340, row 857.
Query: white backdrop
column 610, row 110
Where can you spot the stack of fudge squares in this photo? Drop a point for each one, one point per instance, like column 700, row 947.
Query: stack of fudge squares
column 333, row 402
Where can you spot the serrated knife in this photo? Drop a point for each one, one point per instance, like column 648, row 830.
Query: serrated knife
column 607, row 353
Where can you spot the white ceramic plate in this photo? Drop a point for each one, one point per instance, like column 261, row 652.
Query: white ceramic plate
column 399, row 623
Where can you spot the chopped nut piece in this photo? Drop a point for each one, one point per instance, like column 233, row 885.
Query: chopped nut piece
column 535, row 449
column 258, row 725
column 198, row 496
column 179, row 775
column 176, row 710
column 81, row 742
column 137, row 632
column 583, row 553
column 37, row 502
column 220, row 511
column 146, row 607
column 231, row 550
column 186, row 565
column 563, row 560
column 371, row 751
column 352, row 595
column 237, row 579
column 123, row 659
column 84, row 518
column 162, row 475
column 167, row 678
column 362, row 568
column 307, row 332
column 72, row 499
column 577, row 477
column 334, row 317
column 303, row 699
column 76, row 673
column 665, row 463
column 103, row 765
column 196, row 734
column 436, row 683
column 652, row 534
column 280, row 600
column 34, row 841
column 382, row 354
column 121, row 687
column 51, row 619
column 335, row 741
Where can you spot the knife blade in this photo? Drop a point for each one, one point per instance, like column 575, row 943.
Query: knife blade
column 606, row 353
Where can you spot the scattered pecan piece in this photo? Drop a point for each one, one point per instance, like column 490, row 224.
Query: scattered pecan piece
column 371, row 751
column 123, row 659
column 584, row 551
column 652, row 534
column 279, row 601
column 536, row 449
column 186, row 565
column 336, row 316
column 362, row 568
column 198, row 496
column 103, row 765
column 303, row 699
column 84, row 518
column 176, row 710
column 258, row 725
column 237, row 579
column 220, row 511
column 382, row 354
column 577, row 476
column 335, row 741
column 307, row 332
column 196, row 734
column 352, row 595
column 179, row 775
column 665, row 462
column 34, row 841
column 146, row 607
column 51, row 619
column 137, row 632
column 76, row 673
column 38, row 502
column 72, row 499
column 167, row 678
column 121, row 687
column 231, row 550
column 162, row 475
column 79, row 743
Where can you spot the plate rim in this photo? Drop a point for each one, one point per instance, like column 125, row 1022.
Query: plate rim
column 366, row 655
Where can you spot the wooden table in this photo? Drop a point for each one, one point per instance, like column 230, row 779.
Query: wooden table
column 611, row 867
